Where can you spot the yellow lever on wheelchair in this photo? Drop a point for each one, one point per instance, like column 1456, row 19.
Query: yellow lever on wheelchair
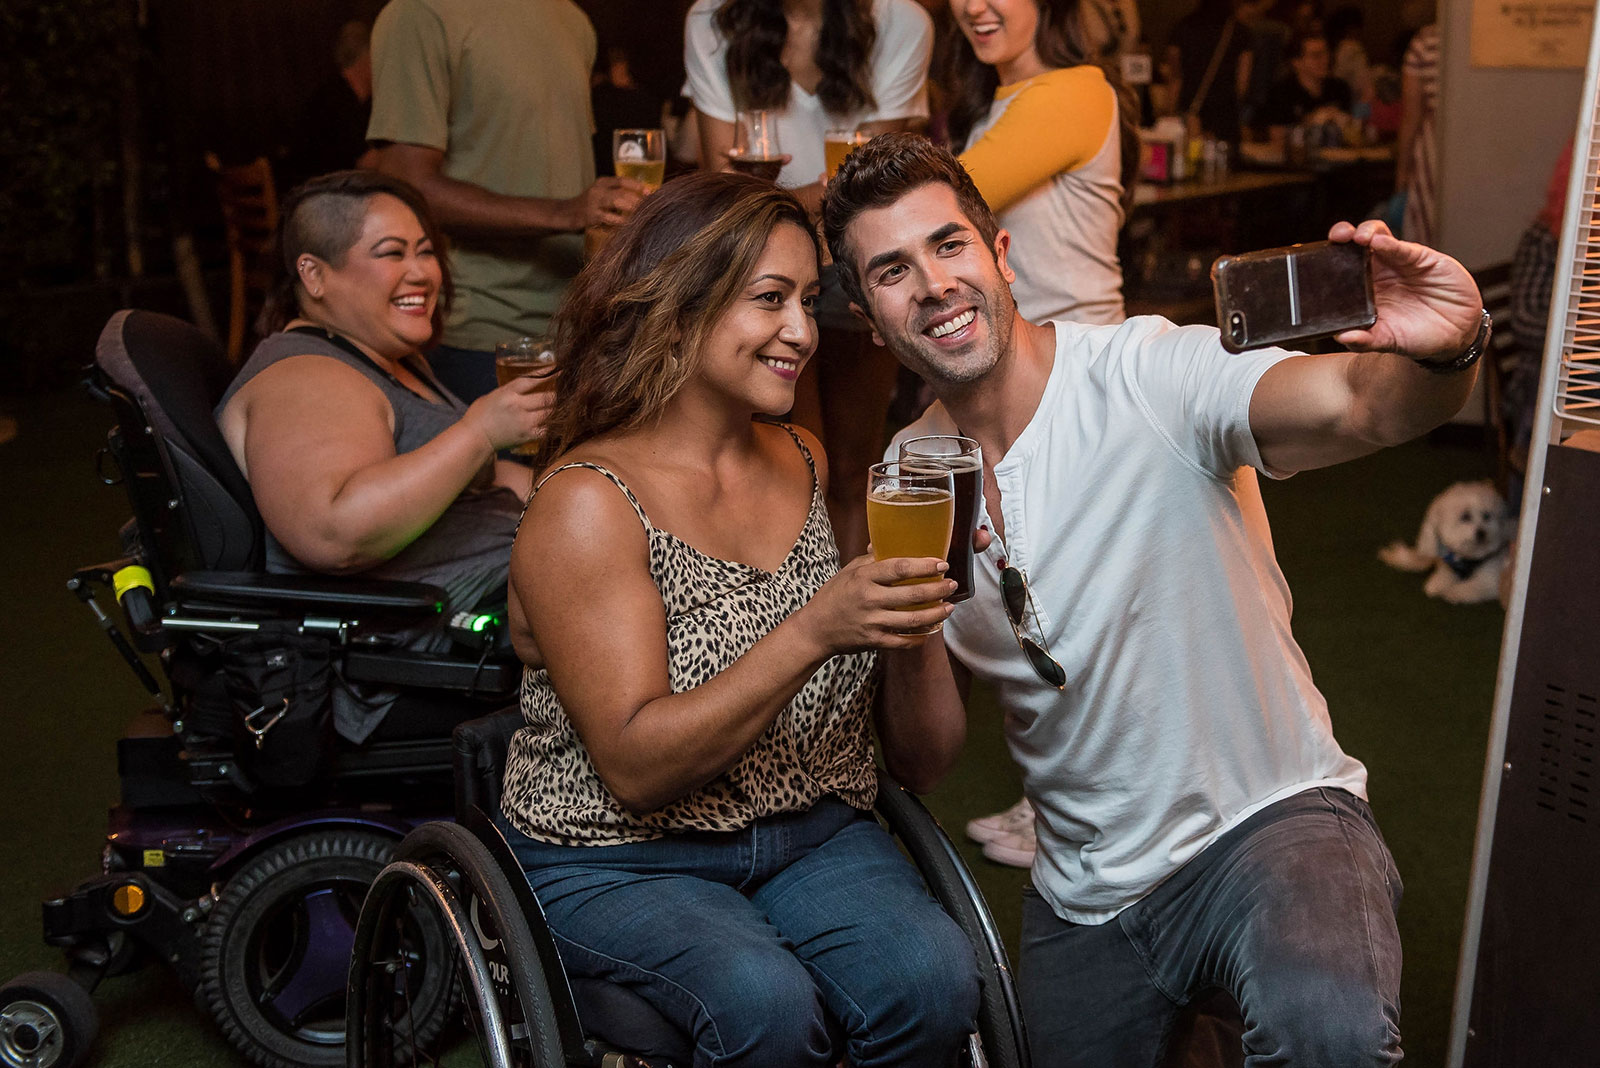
column 132, row 577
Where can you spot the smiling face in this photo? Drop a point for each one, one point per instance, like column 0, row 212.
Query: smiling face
column 757, row 347
column 383, row 292
column 1001, row 33
column 939, row 297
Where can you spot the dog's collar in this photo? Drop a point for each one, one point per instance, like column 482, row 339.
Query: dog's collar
column 1462, row 566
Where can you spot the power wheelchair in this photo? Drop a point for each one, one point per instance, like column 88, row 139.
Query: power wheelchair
column 247, row 832
column 248, row 872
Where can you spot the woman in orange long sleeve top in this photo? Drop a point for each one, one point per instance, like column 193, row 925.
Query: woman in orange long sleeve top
column 1047, row 145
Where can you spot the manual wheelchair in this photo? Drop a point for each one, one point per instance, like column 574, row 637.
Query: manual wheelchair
column 510, row 989
column 247, row 832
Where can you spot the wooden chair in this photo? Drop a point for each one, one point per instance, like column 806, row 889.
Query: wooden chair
column 250, row 218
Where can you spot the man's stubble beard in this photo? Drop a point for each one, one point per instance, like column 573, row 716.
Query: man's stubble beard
column 998, row 312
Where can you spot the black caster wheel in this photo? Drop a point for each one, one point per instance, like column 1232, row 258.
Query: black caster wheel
column 46, row 1021
column 276, row 951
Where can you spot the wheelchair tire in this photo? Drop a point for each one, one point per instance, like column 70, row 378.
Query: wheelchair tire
column 46, row 1021
column 504, row 993
column 275, row 952
column 1000, row 1025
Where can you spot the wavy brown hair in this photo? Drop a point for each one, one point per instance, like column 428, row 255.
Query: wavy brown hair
column 630, row 331
column 1062, row 40
column 323, row 217
column 756, row 31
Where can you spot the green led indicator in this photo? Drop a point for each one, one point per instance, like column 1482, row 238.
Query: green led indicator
column 482, row 623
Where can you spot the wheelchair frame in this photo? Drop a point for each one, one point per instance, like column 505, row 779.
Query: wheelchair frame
column 522, row 1009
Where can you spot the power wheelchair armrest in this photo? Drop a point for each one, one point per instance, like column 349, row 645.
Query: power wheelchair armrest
column 252, row 590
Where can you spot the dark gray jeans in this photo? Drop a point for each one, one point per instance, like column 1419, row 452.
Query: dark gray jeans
column 1292, row 913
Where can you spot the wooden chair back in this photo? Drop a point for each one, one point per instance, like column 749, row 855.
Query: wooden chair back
column 250, row 218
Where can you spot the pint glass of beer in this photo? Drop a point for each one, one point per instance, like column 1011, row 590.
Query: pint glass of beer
column 964, row 460
column 640, row 155
column 909, row 513
column 837, row 144
column 532, row 357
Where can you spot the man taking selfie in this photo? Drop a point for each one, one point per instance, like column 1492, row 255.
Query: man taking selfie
column 1199, row 827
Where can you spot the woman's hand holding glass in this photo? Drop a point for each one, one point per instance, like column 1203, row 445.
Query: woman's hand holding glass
column 878, row 604
column 513, row 414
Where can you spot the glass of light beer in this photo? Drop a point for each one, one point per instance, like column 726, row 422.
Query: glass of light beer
column 909, row 513
column 837, row 144
column 526, row 357
column 964, row 460
column 640, row 155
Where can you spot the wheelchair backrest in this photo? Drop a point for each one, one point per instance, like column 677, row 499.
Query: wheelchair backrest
column 480, row 760
column 191, row 502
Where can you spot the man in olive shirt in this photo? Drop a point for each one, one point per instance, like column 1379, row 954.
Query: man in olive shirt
column 483, row 105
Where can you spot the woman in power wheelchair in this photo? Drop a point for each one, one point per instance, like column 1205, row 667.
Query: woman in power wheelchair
column 360, row 462
column 689, row 795
column 247, row 832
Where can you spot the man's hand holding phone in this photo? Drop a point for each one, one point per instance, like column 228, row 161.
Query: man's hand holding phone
column 1428, row 305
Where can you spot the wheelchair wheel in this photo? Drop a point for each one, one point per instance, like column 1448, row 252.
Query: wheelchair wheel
column 46, row 1021
column 1003, row 1040
column 276, row 949
column 493, row 968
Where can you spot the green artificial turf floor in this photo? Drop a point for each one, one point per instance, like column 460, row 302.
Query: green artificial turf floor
column 1409, row 681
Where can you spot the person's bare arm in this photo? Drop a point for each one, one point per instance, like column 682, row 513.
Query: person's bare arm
column 316, row 441
column 1313, row 411
column 922, row 716
column 465, row 208
column 580, row 570
column 1411, row 106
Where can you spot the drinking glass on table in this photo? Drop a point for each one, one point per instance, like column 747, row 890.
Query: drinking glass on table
column 640, row 155
column 530, row 357
column 837, row 144
column 910, row 508
column 964, row 460
column 755, row 145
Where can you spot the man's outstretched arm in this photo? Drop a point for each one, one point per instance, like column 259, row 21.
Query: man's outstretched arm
column 1313, row 411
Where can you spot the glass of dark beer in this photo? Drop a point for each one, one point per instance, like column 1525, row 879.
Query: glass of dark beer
column 964, row 460
column 755, row 145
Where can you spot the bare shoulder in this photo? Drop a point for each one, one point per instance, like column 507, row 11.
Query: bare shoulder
column 819, row 456
column 577, row 512
column 310, row 380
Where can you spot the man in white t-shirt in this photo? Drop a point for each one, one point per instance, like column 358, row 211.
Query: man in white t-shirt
column 1199, row 827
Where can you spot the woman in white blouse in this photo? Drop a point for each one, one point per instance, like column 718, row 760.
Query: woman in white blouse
column 817, row 65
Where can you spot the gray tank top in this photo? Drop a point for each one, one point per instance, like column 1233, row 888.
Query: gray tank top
column 467, row 550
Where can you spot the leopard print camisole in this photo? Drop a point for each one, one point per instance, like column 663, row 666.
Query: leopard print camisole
column 716, row 610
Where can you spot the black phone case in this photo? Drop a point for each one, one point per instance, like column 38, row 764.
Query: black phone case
column 1292, row 294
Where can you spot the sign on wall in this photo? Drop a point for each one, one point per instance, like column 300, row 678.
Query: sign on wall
column 1552, row 34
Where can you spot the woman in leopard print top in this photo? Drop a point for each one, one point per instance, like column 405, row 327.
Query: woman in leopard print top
column 689, row 792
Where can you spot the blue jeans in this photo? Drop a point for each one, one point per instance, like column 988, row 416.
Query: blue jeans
column 468, row 373
column 758, row 943
column 1292, row 913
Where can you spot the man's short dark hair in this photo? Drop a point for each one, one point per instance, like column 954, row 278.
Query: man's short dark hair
column 879, row 173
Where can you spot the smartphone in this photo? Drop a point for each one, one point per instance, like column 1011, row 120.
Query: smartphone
column 1290, row 294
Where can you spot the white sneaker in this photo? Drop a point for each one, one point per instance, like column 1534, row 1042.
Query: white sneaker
column 1014, row 850
column 1016, row 820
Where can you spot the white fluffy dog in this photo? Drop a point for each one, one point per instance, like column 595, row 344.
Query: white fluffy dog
column 1463, row 539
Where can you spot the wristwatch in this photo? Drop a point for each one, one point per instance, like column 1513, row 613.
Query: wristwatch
column 1469, row 356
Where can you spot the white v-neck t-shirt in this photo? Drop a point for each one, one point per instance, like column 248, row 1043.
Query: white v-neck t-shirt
column 1131, row 504
column 898, row 69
